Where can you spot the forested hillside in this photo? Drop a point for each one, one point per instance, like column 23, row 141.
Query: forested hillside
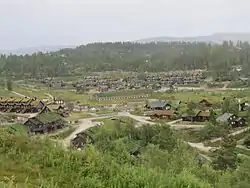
column 152, row 57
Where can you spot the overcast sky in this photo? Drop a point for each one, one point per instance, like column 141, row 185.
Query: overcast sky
column 25, row 23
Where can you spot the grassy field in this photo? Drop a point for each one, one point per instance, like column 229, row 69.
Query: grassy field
column 31, row 92
column 5, row 93
column 78, row 115
column 68, row 95
column 213, row 96
column 191, row 135
column 126, row 93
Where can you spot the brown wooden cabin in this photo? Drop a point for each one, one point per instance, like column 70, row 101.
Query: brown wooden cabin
column 17, row 106
column 44, row 123
column 158, row 105
column 200, row 116
column 205, row 103
column 232, row 120
column 59, row 109
column 244, row 106
column 81, row 140
column 45, row 110
column 162, row 114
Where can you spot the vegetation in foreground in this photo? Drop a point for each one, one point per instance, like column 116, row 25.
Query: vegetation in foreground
column 124, row 156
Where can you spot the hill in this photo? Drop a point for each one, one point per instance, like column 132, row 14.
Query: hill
column 214, row 38
column 129, row 56
column 31, row 50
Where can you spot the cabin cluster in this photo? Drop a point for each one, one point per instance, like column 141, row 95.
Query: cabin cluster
column 51, row 83
column 162, row 109
column 166, row 81
column 49, row 119
column 24, row 105
column 171, row 110
column 48, row 116
column 99, row 96
column 148, row 81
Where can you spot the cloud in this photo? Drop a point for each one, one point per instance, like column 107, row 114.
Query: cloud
column 38, row 22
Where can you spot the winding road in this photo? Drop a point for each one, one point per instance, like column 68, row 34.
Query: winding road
column 87, row 123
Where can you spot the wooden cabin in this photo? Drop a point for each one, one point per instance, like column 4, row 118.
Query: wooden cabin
column 81, row 140
column 158, row 105
column 162, row 114
column 25, row 105
column 232, row 120
column 44, row 123
column 199, row 116
column 244, row 106
column 205, row 103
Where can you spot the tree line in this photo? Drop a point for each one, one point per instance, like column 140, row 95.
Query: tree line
column 128, row 56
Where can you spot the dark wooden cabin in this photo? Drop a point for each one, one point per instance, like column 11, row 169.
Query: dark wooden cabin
column 158, row 105
column 233, row 120
column 205, row 103
column 81, row 140
column 200, row 116
column 161, row 114
column 44, row 123
column 244, row 106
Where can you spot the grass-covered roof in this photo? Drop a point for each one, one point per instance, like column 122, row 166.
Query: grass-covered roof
column 48, row 117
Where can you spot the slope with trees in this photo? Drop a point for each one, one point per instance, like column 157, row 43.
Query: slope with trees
column 127, row 56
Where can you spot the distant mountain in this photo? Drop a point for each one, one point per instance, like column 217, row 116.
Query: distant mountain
column 31, row 50
column 214, row 38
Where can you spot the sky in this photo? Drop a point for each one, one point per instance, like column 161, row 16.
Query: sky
column 26, row 23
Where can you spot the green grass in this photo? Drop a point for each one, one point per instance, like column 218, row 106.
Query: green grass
column 191, row 135
column 31, row 91
column 72, row 96
column 78, row 115
column 242, row 151
column 64, row 134
column 106, row 112
column 5, row 93
column 196, row 96
column 17, row 129
column 126, row 93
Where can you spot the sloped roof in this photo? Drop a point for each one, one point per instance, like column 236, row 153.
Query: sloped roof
column 54, row 106
column 175, row 104
column 224, row 117
column 161, row 113
column 48, row 117
column 203, row 114
column 239, row 118
column 157, row 104
column 205, row 101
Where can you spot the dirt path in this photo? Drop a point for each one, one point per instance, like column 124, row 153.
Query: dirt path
column 202, row 147
column 19, row 94
column 50, row 96
column 87, row 123
column 84, row 124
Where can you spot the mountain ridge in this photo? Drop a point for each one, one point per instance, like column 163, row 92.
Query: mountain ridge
column 213, row 38
column 35, row 49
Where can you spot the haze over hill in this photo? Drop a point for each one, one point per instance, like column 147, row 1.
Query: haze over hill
column 31, row 50
column 214, row 38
